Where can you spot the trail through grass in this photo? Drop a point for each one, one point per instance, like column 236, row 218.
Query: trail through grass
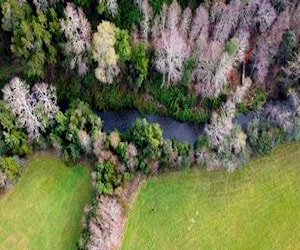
column 45, row 208
column 257, row 207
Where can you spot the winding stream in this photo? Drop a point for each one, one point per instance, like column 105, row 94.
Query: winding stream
column 124, row 119
column 182, row 131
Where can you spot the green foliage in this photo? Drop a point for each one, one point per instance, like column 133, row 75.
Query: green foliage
column 262, row 136
column 258, row 97
column 148, row 139
column 11, row 168
column 13, row 139
column 201, row 143
column 82, row 3
column 279, row 5
column 128, row 14
column 112, row 96
column 187, row 71
column 213, row 103
column 107, row 177
column 13, row 12
column 32, row 42
column 174, row 98
column 232, row 46
column 287, row 47
column 121, row 150
column 140, row 61
column 122, row 45
column 65, row 137
column 157, row 5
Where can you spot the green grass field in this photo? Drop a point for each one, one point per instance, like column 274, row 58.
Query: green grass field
column 257, row 207
column 45, row 208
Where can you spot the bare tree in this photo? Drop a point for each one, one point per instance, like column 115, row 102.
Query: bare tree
column 146, row 19
column 35, row 111
column 266, row 15
column 77, row 30
column 171, row 49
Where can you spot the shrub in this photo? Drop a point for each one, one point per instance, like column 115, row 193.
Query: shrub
column 140, row 62
column 148, row 140
column 14, row 139
column 287, row 47
column 108, row 178
column 75, row 131
column 10, row 170
column 262, row 136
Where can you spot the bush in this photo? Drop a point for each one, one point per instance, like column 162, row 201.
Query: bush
column 108, row 178
column 287, row 47
column 148, row 140
column 13, row 139
column 140, row 62
column 262, row 137
column 10, row 170
column 75, row 131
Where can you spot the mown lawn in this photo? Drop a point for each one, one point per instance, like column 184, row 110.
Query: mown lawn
column 257, row 207
column 45, row 208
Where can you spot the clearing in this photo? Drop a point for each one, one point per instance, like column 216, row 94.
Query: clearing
column 44, row 209
column 256, row 207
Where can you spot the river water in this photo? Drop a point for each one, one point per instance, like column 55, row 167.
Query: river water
column 182, row 131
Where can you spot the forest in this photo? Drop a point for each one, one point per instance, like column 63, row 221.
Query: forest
column 198, row 61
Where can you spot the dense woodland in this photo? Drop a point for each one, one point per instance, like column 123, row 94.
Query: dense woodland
column 200, row 61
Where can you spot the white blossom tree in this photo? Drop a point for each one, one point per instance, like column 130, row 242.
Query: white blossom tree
column 266, row 15
column 199, row 29
column 171, row 49
column 35, row 111
column 43, row 5
column 77, row 30
column 145, row 25
column 293, row 68
column 280, row 25
column 261, row 62
column 228, row 21
column 227, row 141
column 110, row 5
column 45, row 102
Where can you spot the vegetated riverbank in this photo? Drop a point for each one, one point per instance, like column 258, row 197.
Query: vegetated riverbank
column 44, row 209
column 256, row 207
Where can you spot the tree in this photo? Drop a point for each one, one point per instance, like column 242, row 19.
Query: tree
column 171, row 49
column 122, row 45
column 228, row 21
column 261, row 62
column 279, row 35
column 226, row 140
column 292, row 70
column 104, row 53
column 32, row 35
column 287, row 47
column 77, row 30
column 43, row 5
column 266, row 15
column 199, row 29
column 110, row 5
column 140, row 61
column 34, row 112
column 13, row 12
column 146, row 19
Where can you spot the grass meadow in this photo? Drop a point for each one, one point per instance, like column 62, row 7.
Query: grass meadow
column 256, row 207
column 44, row 209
